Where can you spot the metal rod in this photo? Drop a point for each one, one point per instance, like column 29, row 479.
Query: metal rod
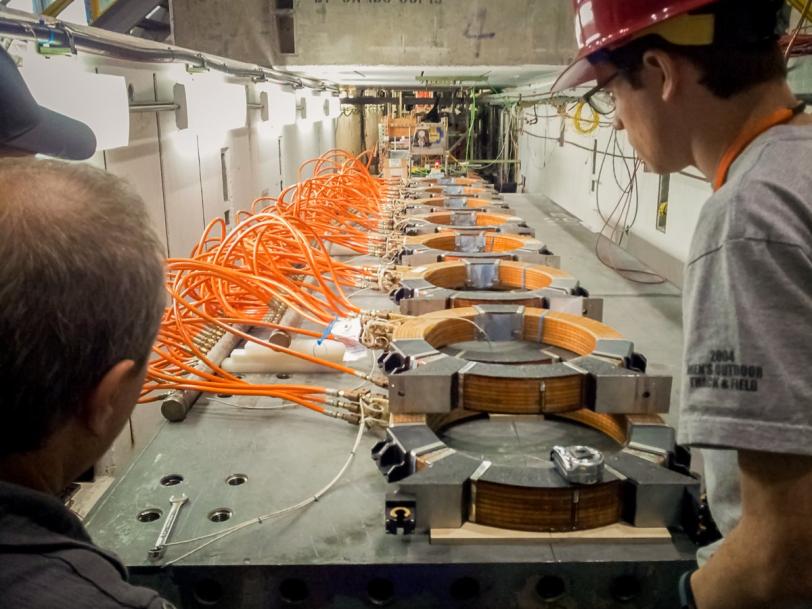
column 254, row 106
column 99, row 42
column 56, row 7
column 153, row 107
column 499, row 162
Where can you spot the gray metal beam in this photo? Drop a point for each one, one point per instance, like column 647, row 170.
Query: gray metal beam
column 124, row 15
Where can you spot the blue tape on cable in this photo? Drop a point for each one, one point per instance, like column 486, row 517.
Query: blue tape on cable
column 327, row 331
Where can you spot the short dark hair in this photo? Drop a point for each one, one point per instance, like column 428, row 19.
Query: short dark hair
column 745, row 51
column 726, row 71
column 81, row 288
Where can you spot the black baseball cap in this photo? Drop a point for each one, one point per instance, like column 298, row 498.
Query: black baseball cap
column 27, row 126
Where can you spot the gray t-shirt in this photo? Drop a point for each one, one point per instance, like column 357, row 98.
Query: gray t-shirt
column 747, row 307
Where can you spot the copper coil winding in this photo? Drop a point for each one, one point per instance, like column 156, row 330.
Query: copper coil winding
column 447, row 242
column 480, row 218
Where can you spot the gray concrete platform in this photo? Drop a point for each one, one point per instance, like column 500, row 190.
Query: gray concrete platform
column 335, row 552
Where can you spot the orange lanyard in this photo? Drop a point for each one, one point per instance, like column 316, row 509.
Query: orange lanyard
column 779, row 117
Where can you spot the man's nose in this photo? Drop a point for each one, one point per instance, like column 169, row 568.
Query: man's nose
column 618, row 124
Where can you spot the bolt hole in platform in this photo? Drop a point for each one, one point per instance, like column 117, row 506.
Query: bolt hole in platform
column 224, row 395
column 236, row 479
column 150, row 515
column 208, row 592
column 293, row 591
column 283, row 376
column 171, row 480
column 625, row 588
column 647, row 394
column 464, row 589
column 220, row 515
column 380, row 591
column 550, row 588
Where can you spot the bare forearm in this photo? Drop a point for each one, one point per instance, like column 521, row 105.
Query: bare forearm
column 766, row 561
column 738, row 576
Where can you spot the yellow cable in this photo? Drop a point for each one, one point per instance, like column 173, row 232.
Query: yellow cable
column 576, row 120
column 800, row 5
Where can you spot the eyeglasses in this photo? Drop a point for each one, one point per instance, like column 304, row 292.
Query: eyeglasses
column 599, row 99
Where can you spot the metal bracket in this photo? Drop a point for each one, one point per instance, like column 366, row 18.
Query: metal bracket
column 400, row 513
column 500, row 322
column 470, row 244
column 578, row 464
column 428, row 388
column 463, row 218
column 482, row 275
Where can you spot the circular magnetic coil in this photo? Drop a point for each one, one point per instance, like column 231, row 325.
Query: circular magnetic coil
column 454, row 245
column 533, row 496
column 467, row 220
column 465, row 283
column 542, row 386
column 443, row 203
column 471, row 182
column 523, row 498
column 458, row 191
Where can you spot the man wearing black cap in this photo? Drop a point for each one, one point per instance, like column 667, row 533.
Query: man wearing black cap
column 28, row 128
column 81, row 297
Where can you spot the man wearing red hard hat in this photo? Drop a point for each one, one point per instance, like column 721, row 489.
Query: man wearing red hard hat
column 703, row 83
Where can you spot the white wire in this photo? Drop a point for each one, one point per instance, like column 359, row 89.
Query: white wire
column 215, row 537
column 481, row 330
column 410, row 220
column 371, row 371
column 361, row 291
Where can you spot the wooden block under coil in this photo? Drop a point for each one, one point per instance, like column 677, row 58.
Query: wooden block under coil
column 472, row 533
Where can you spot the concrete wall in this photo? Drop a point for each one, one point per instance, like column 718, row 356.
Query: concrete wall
column 180, row 176
column 383, row 32
column 565, row 174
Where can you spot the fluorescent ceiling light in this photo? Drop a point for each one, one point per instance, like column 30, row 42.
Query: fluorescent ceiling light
column 207, row 105
column 98, row 100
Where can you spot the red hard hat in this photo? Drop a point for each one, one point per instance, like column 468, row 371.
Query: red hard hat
column 604, row 24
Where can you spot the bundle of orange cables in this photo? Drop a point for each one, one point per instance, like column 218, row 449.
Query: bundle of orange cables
column 276, row 258
column 341, row 201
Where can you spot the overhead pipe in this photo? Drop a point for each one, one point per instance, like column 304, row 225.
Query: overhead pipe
column 100, row 44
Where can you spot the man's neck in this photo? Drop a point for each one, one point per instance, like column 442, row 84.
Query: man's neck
column 722, row 121
column 36, row 470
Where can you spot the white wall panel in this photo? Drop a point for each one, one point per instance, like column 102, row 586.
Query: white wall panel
column 140, row 162
column 300, row 142
column 265, row 143
column 328, row 135
column 565, row 174
column 241, row 167
column 210, row 146
column 180, row 165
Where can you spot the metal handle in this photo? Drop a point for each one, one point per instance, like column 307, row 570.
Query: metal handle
column 578, row 464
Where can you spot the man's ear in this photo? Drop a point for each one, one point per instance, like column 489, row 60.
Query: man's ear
column 663, row 68
column 101, row 404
